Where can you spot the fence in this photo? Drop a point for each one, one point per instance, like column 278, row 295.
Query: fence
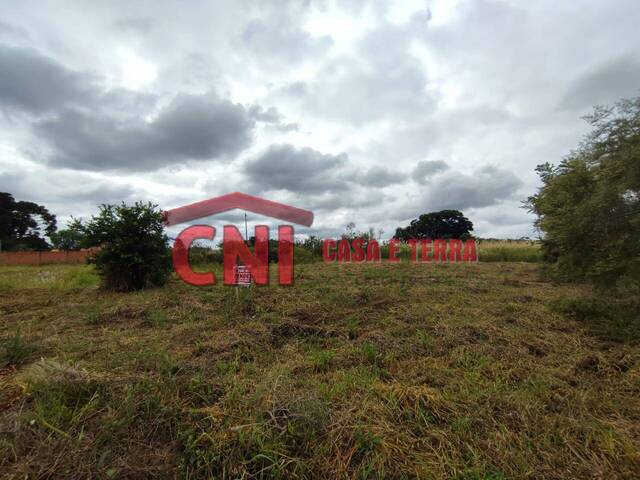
column 43, row 258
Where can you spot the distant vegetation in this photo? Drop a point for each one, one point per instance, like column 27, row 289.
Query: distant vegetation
column 589, row 205
column 509, row 251
column 588, row 214
column 310, row 250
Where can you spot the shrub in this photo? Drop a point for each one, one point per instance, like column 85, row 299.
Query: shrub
column 133, row 250
column 588, row 206
column 15, row 350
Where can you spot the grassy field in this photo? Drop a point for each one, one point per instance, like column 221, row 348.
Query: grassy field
column 357, row 371
column 509, row 251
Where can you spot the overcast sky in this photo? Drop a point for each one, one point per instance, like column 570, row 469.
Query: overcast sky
column 365, row 111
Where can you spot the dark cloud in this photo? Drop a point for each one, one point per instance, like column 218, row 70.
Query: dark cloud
column 38, row 84
column 481, row 188
column 286, row 167
column 484, row 187
column 88, row 128
column 191, row 127
column 308, row 171
column 605, row 84
column 270, row 115
column 425, row 169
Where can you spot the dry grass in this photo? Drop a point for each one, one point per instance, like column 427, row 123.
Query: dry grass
column 357, row 371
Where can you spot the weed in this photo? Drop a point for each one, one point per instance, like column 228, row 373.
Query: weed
column 15, row 351
column 156, row 318
column 321, row 360
column 371, row 353
column 352, row 323
column 365, row 441
column 426, row 340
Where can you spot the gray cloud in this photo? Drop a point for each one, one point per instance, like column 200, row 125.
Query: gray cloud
column 285, row 167
column 88, row 128
column 378, row 177
column 273, row 118
column 483, row 187
column 466, row 191
column 12, row 32
column 191, row 127
column 38, row 84
column 66, row 193
column 305, row 170
column 425, row 169
column 270, row 115
column 605, row 84
column 348, row 199
column 388, row 85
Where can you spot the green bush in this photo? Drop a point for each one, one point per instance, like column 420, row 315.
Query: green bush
column 133, row 250
column 588, row 206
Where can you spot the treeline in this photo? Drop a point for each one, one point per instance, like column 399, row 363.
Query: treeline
column 587, row 208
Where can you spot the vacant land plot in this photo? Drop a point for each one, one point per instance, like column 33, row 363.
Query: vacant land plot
column 357, row 371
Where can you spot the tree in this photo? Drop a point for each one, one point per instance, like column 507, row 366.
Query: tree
column 588, row 206
column 442, row 224
column 134, row 252
column 70, row 238
column 23, row 225
column 351, row 233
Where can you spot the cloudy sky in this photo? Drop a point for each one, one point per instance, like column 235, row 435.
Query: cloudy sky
column 365, row 111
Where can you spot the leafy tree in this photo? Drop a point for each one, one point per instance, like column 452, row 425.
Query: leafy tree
column 134, row 251
column 442, row 224
column 23, row 225
column 588, row 206
column 70, row 238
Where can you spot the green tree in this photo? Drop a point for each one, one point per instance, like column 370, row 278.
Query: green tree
column 134, row 252
column 588, row 206
column 23, row 225
column 70, row 238
column 442, row 224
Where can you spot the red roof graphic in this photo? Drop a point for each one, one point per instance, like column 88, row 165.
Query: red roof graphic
column 238, row 200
